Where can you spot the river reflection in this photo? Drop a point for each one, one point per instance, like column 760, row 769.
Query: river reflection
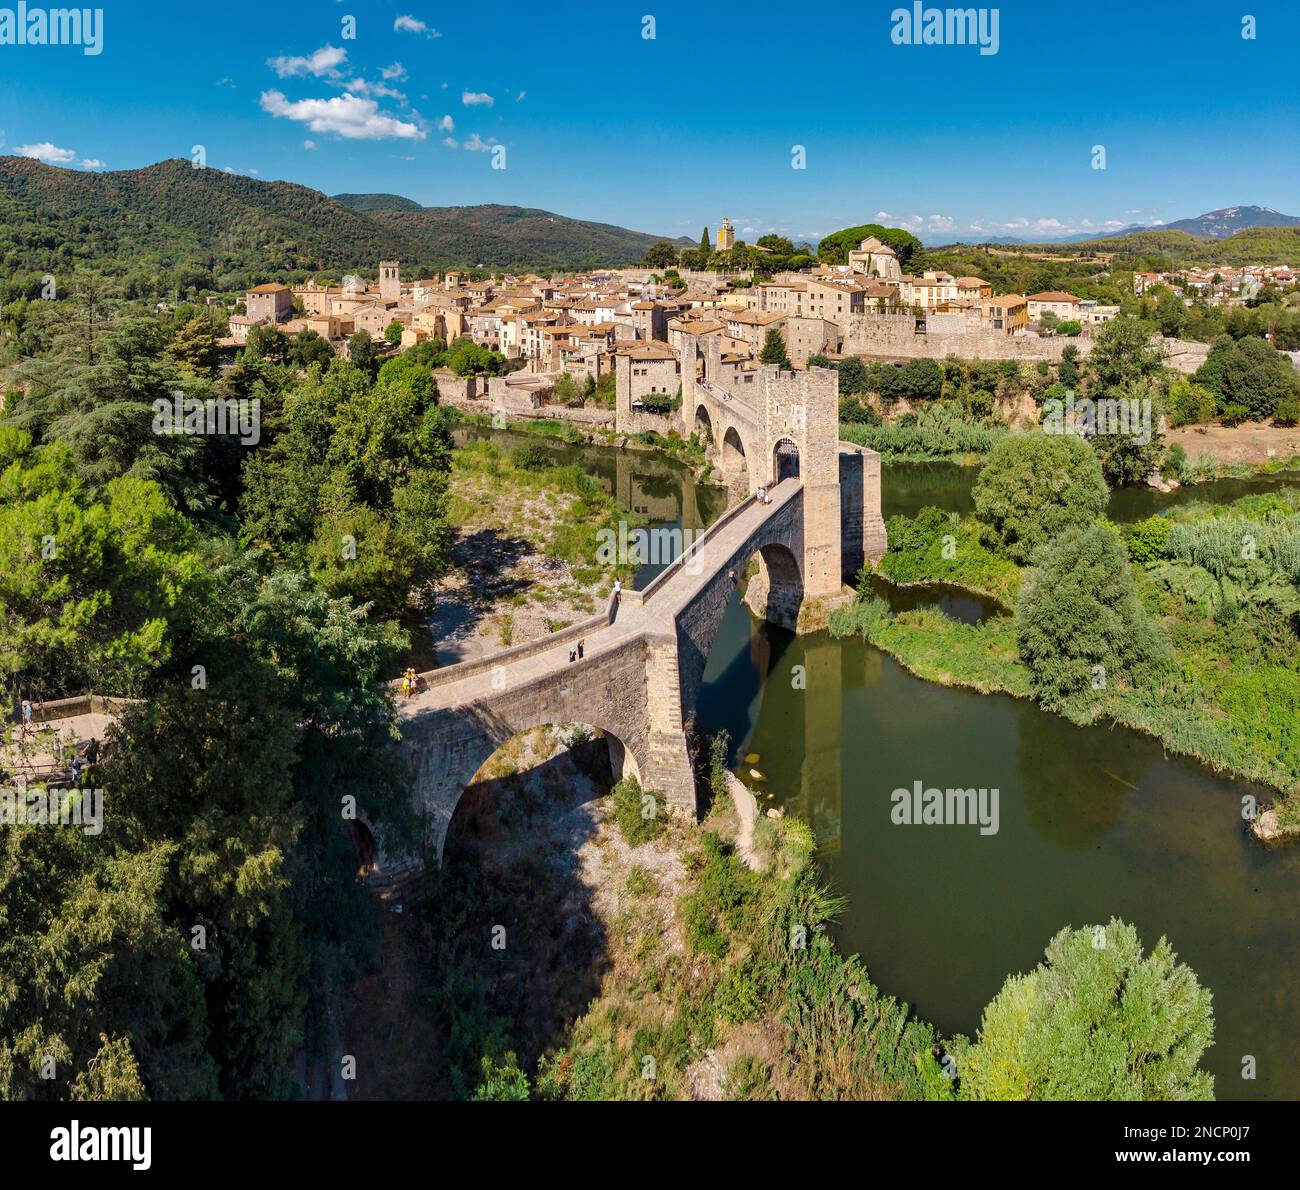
column 906, row 488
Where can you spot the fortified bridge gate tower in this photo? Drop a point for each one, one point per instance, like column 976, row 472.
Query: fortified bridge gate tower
column 764, row 426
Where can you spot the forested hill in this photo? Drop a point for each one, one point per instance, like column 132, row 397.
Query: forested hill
column 211, row 229
column 378, row 202
column 501, row 236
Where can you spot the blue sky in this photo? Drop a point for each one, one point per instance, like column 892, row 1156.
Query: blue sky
column 671, row 133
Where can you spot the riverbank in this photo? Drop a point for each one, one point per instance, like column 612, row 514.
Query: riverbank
column 525, row 557
column 1234, row 708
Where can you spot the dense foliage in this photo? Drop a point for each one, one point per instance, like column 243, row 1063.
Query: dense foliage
column 1098, row 1020
column 1035, row 486
column 1082, row 626
column 207, row 937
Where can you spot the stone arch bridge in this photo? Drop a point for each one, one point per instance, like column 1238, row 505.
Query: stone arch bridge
column 643, row 660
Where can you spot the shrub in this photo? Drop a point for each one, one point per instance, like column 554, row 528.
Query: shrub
column 935, row 431
column 638, row 814
column 1146, row 540
column 853, row 411
column 1095, row 1022
column 530, row 457
column 1288, row 411
column 1033, row 487
column 1190, row 404
column 1081, row 625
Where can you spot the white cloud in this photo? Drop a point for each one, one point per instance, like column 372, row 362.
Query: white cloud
column 410, row 24
column 883, row 215
column 309, row 145
column 446, row 124
column 44, row 151
column 324, row 63
column 476, row 144
column 360, row 86
column 347, row 115
column 520, row 97
column 394, row 73
column 451, row 142
column 92, row 163
column 476, row 98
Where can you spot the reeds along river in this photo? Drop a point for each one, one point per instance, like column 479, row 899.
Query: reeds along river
column 1093, row 822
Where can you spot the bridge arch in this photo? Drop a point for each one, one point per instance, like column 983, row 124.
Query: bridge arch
column 446, row 747
column 735, row 462
column 775, row 592
column 704, row 424
column 503, row 759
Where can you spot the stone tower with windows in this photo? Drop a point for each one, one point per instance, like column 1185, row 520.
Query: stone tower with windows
column 801, row 437
column 726, row 236
column 390, row 282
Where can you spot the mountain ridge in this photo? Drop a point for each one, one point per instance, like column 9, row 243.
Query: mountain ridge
column 170, row 215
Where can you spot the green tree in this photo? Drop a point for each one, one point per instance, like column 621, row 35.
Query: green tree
column 706, row 245
column 361, row 353
column 1122, row 353
column 1190, row 404
column 921, row 380
column 310, row 348
column 393, row 333
column 195, row 347
column 661, row 255
column 1068, row 372
column 90, row 587
column 1171, row 314
column 1082, row 629
column 853, row 376
column 1099, row 1020
column 1035, row 486
column 1258, row 377
column 268, row 343
column 774, row 350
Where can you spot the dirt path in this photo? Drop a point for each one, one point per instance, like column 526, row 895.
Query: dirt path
column 1253, row 443
column 747, row 811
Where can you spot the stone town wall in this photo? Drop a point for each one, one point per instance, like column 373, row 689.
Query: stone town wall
column 895, row 335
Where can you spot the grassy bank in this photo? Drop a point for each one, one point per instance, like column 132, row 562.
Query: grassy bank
column 940, row 432
column 1235, row 702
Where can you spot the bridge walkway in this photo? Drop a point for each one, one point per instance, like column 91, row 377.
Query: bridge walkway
column 649, row 612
